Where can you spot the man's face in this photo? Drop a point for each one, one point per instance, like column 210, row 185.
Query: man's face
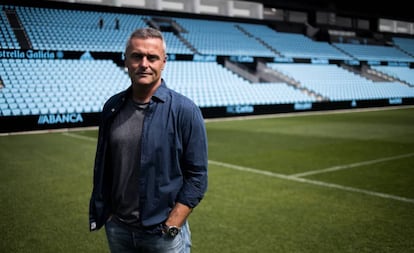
column 145, row 60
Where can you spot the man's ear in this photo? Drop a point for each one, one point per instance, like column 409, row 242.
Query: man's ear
column 124, row 58
column 165, row 62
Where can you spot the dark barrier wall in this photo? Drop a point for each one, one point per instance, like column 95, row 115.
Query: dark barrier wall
column 72, row 120
column 50, row 121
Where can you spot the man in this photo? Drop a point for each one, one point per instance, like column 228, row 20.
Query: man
column 151, row 160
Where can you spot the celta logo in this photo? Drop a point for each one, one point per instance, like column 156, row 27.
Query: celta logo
column 395, row 101
column 240, row 109
column 60, row 118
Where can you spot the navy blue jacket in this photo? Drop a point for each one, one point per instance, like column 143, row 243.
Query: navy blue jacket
column 173, row 158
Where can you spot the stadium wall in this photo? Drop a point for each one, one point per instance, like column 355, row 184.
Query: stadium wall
column 75, row 120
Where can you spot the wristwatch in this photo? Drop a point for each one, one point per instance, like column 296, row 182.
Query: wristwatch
column 171, row 230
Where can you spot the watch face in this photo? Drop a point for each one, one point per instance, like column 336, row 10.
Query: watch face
column 173, row 231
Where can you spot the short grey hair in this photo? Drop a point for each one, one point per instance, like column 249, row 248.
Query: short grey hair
column 146, row 33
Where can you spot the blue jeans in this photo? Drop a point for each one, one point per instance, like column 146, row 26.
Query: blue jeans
column 123, row 240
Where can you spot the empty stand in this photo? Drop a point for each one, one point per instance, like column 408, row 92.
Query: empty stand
column 58, row 86
column 52, row 86
column 363, row 52
column 336, row 84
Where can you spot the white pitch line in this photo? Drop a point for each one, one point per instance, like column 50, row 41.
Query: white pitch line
column 352, row 165
column 292, row 178
column 303, row 180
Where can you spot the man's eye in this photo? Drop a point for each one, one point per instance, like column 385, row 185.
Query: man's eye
column 137, row 56
column 152, row 58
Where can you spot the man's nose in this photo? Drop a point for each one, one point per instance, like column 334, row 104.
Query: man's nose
column 144, row 62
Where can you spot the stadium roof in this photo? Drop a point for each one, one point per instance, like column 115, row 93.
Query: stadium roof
column 395, row 9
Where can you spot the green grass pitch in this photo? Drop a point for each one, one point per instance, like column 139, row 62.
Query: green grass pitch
column 336, row 181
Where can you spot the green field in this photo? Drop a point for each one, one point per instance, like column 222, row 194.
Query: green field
column 315, row 182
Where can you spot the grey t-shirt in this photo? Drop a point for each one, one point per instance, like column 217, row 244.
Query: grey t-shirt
column 125, row 141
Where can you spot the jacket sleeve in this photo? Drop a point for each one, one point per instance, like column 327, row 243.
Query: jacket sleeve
column 95, row 203
column 195, row 157
column 98, row 205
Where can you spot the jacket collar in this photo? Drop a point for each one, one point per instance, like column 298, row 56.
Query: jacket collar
column 161, row 94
